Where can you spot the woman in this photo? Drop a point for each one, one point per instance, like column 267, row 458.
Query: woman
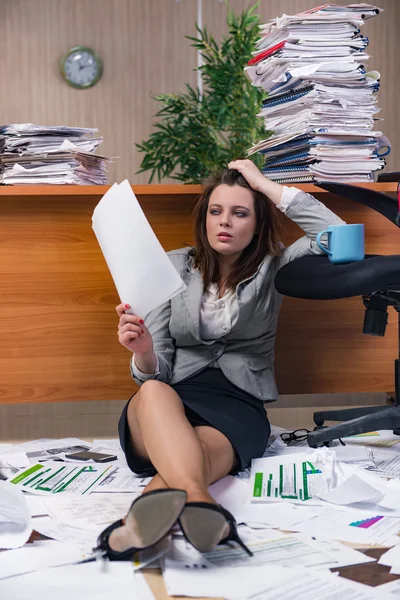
column 204, row 360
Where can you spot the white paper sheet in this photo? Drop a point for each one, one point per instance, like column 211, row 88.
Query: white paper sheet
column 121, row 480
column 356, row 527
column 36, row 505
column 270, row 547
column 387, row 466
column 88, row 581
column 37, row 556
column 47, row 449
column 96, row 509
column 306, row 586
column 392, row 589
column 279, row 515
column 229, row 583
column 381, row 438
column 142, row 272
column 112, row 444
column 391, row 557
column 80, row 534
column 15, row 518
column 353, row 489
column 231, row 493
column 18, row 460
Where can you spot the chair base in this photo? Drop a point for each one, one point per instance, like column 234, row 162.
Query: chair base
column 357, row 420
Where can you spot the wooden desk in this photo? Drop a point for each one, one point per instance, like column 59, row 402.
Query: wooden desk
column 58, row 326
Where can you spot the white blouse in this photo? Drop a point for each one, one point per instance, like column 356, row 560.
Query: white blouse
column 218, row 315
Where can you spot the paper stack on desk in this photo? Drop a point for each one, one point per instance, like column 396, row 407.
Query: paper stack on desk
column 321, row 104
column 34, row 154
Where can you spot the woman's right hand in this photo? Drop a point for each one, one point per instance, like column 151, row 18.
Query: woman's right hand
column 132, row 332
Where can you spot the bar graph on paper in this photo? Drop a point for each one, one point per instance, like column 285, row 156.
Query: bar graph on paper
column 287, row 481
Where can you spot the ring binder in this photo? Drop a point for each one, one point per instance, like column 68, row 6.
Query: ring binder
column 321, row 96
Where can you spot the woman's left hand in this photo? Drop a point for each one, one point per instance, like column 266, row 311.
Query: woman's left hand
column 250, row 172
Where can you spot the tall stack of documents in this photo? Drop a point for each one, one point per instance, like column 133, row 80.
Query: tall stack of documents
column 34, row 154
column 321, row 104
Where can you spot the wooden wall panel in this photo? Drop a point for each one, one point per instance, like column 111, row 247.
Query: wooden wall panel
column 58, row 325
column 145, row 53
column 57, row 320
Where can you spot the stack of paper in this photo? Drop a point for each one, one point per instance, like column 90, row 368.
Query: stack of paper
column 321, row 104
column 31, row 154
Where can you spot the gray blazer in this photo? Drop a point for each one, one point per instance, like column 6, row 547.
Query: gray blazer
column 246, row 353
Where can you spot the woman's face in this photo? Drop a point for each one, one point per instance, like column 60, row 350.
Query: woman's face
column 231, row 219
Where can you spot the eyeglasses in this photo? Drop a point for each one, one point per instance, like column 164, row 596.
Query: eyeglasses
column 298, row 435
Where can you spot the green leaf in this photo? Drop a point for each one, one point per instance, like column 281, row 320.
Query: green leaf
column 196, row 135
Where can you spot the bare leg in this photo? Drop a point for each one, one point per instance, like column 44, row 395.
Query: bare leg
column 185, row 457
column 157, row 483
column 137, row 443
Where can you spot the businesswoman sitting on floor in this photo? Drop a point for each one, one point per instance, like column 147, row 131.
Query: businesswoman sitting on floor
column 205, row 359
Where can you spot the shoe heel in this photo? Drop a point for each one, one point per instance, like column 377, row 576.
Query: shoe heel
column 236, row 538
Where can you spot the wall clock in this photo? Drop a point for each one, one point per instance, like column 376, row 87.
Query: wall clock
column 81, row 67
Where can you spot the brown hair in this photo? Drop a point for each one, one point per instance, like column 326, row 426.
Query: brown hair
column 265, row 241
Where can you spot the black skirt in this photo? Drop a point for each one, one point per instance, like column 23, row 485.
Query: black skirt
column 210, row 399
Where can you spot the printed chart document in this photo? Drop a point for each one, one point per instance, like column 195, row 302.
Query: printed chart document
column 47, row 449
column 304, row 586
column 269, row 547
column 122, row 479
column 61, row 478
column 313, row 479
column 294, row 477
column 379, row 439
column 142, row 272
column 357, row 527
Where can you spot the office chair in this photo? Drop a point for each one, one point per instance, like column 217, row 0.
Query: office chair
column 392, row 176
column 377, row 280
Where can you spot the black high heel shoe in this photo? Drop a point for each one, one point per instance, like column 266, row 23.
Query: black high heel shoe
column 203, row 525
column 148, row 521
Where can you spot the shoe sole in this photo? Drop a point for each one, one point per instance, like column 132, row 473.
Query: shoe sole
column 203, row 528
column 152, row 516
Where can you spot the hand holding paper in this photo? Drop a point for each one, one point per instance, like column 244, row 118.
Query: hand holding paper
column 142, row 272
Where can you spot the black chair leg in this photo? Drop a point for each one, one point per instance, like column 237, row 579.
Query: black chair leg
column 387, row 418
column 346, row 414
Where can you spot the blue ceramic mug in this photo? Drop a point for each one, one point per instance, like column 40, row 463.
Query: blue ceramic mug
column 345, row 243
